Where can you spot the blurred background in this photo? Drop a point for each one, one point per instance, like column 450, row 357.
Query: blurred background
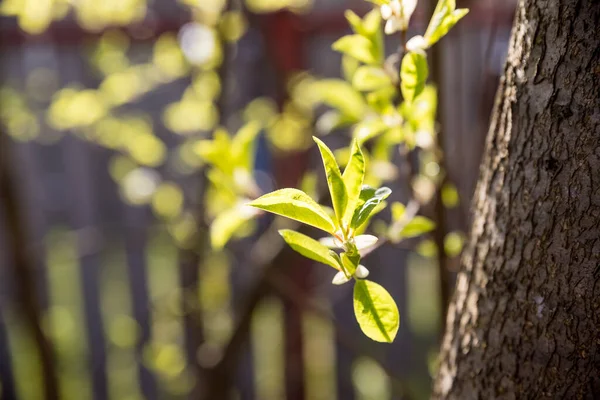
column 108, row 289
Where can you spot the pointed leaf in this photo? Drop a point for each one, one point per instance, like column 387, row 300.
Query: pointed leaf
column 308, row 247
column 356, row 46
column 362, row 213
column 350, row 262
column 353, row 177
column 368, row 78
column 297, row 205
column 444, row 17
column 341, row 95
column 227, row 223
column 337, row 189
column 413, row 75
column 375, row 311
column 243, row 145
column 417, row 226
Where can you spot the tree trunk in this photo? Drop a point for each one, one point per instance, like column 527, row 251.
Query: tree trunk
column 525, row 318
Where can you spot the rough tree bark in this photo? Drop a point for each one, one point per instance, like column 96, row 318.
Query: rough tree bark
column 524, row 321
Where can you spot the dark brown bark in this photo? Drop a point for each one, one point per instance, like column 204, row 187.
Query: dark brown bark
column 524, row 321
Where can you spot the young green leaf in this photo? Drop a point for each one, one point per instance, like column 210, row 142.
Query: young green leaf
column 362, row 213
column 353, row 177
column 341, row 95
column 413, row 74
column 445, row 16
column 355, row 22
column 227, row 223
column 297, row 205
column 375, row 311
column 368, row 129
column 356, row 46
column 417, row 226
column 368, row 78
column 337, row 189
column 309, row 247
column 243, row 144
column 350, row 262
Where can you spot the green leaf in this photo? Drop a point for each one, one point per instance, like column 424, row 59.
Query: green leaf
column 355, row 22
column 297, row 205
column 445, row 16
column 368, row 78
column 375, row 311
column 349, row 67
column 413, row 74
column 309, row 247
column 227, row 223
column 371, row 22
column 356, row 46
column 417, row 226
column 361, row 215
column 350, row 262
column 368, row 129
column 337, row 189
column 353, row 177
column 341, row 95
column 243, row 145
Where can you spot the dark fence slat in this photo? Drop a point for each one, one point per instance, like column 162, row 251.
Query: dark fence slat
column 7, row 379
column 78, row 157
column 135, row 242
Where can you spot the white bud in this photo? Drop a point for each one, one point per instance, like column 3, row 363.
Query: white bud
column 364, row 241
column 361, row 272
column 416, row 43
column 340, row 278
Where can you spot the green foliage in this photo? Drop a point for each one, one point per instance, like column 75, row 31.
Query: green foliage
column 309, row 248
column 413, row 74
column 369, row 78
column 375, row 311
column 369, row 199
column 445, row 16
column 387, row 109
column 353, row 177
column 296, row 205
column 337, row 188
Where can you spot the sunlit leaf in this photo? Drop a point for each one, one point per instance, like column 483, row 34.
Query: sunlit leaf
column 337, row 189
column 417, row 226
column 227, row 223
column 309, row 247
column 368, row 78
column 297, row 205
column 444, row 18
column 243, row 145
column 350, row 262
column 413, row 74
column 375, row 311
column 341, row 95
column 353, row 177
column 356, row 46
column 362, row 213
